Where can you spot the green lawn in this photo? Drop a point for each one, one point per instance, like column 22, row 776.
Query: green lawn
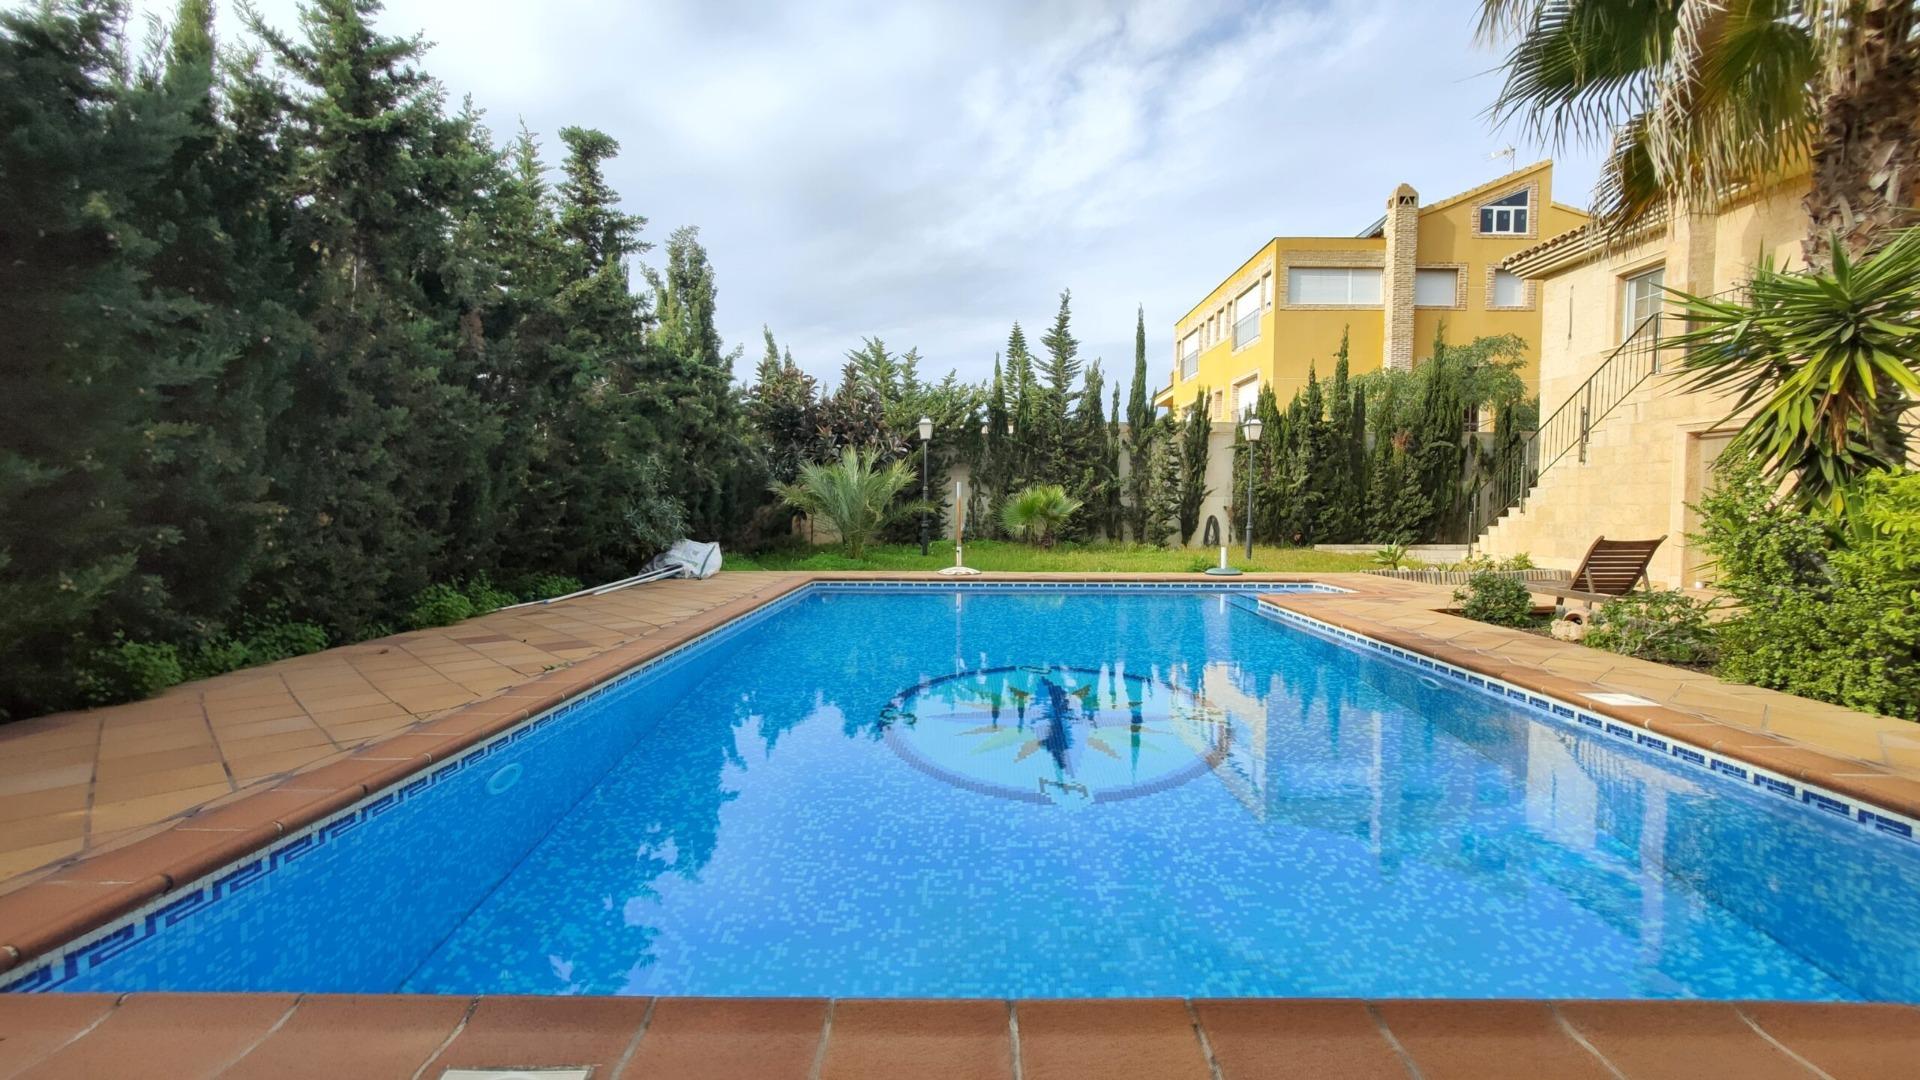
column 1065, row 558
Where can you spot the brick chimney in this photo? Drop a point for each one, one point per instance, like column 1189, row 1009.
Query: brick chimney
column 1396, row 278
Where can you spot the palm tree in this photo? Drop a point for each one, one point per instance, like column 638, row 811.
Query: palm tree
column 1037, row 513
column 1701, row 96
column 855, row 493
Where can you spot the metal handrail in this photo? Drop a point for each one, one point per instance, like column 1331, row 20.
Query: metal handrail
column 1570, row 428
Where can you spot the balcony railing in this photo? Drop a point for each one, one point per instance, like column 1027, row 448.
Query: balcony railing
column 1247, row 329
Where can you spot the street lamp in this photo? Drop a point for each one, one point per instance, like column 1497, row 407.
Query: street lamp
column 1251, row 426
column 926, row 437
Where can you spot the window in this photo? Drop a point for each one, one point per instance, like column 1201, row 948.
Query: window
column 1435, row 288
column 1640, row 297
column 1506, row 217
column 1508, row 290
column 1246, row 316
column 1246, row 394
column 1190, row 355
column 1335, row 286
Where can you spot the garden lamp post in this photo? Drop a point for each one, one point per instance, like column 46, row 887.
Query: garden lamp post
column 1251, row 426
column 926, row 438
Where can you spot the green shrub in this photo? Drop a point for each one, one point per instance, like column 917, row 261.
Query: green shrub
column 260, row 644
column 1666, row 626
column 1828, row 609
column 548, row 586
column 485, row 596
column 1517, row 561
column 438, row 605
column 128, row 671
column 1200, row 564
column 1495, row 598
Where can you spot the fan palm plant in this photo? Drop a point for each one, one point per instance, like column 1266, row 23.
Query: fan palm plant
column 856, row 494
column 1038, row 513
column 1699, row 97
column 1830, row 359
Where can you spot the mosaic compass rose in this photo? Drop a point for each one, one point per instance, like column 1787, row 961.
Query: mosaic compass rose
column 1068, row 736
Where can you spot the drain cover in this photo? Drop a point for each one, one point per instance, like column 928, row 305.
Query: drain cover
column 1620, row 699
column 528, row 1073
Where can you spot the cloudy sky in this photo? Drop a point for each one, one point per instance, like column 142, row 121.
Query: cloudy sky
column 930, row 172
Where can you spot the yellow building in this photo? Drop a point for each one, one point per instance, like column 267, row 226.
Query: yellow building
column 1389, row 288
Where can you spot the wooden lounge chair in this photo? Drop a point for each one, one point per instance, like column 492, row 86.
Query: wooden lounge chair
column 1610, row 568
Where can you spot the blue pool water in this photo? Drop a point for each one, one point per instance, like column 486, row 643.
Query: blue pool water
column 1057, row 793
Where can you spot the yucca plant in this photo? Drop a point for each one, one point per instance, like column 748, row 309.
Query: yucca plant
column 1830, row 359
column 855, row 493
column 1038, row 513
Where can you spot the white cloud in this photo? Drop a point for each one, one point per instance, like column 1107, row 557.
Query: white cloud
column 929, row 173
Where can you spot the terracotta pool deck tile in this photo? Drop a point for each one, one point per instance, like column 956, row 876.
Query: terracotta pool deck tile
column 926, row 1040
column 45, row 779
column 273, row 742
column 1847, row 1042
column 181, row 855
column 329, row 1037
column 35, row 919
column 57, row 732
column 13, row 765
column 1670, row 1040
column 160, row 783
column 18, row 861
column 34, row 1026
column 527, row 1031
column 184, row 736
column 729, row 1039
column 228, row 733
column 279, row 763
column 167, row 1036
column 1474, row 1040
column 47, row 801
column 146, row 810
column 1325, row 1040
column 1151, row 1039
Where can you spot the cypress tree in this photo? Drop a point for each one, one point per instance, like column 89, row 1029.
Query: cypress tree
column 1139, row 431
column 1194, row 436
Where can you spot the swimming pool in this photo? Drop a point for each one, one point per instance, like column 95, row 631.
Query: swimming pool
column 1059, row 792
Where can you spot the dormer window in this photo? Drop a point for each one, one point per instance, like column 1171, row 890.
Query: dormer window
column 1506, row 217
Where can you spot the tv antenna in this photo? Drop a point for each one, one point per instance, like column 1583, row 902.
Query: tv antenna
column 1507, row 153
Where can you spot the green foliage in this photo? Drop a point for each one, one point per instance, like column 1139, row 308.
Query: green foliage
column 1668, row 626
column 856, row 494
column 288, row 333
column 1194, row 435
column 259, row 645
column 439, row 605
column 1829, row 363
column 548, row 586
column 1200, row 564
column 1495, row 598
column 1038, row 514
column 1827, row 609
column 127, row 670
column 1064, row 557
column 1392, row 557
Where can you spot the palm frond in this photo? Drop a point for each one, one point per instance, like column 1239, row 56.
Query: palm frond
column 1828, row 362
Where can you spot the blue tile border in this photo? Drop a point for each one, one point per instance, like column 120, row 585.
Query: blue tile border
column 1809, row 797
column 1223, row 585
